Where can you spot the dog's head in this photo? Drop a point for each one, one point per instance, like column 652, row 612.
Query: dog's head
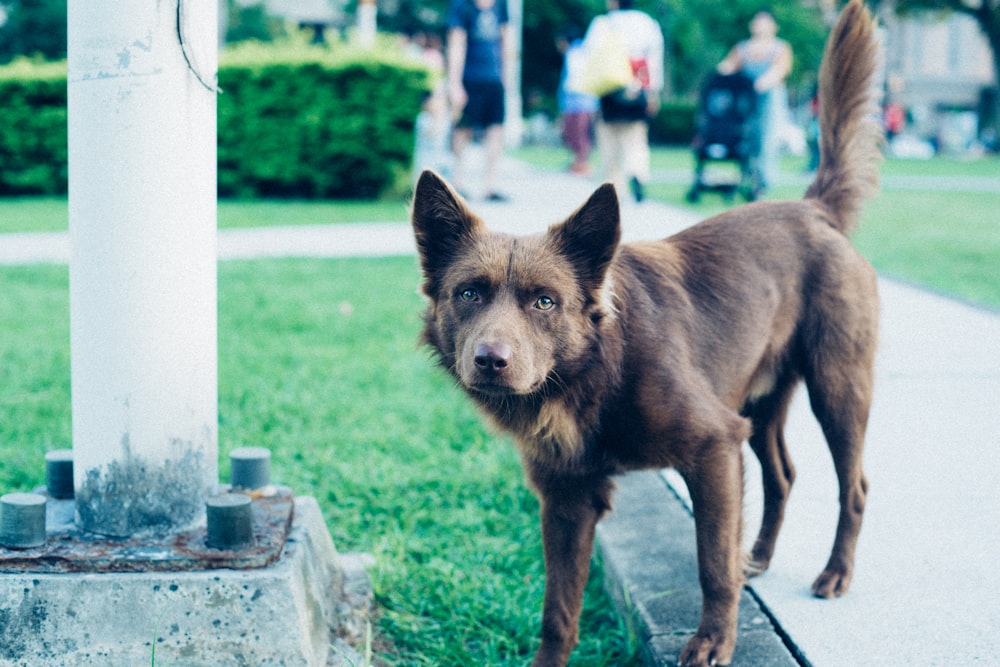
column 510, row 315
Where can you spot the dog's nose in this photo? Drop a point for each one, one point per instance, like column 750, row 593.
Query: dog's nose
column 493, row 357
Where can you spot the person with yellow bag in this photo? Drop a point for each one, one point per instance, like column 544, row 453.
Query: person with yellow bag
column 624, row 68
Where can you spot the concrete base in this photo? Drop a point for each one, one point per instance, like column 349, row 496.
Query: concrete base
column 288, row 613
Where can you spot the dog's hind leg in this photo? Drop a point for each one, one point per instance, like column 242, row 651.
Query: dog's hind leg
column 840, row 395
column 777, row 472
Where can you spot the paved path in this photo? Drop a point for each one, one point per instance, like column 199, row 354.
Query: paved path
column 539, row 199
column 927, row 588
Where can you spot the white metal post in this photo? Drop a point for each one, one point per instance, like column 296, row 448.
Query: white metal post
column 142, row 197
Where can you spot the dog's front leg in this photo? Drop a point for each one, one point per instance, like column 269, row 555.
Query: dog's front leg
column 570, row 511
column 716, row 487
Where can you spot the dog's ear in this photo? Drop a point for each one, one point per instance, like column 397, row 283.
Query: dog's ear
column 442, row 224
column 590, row 236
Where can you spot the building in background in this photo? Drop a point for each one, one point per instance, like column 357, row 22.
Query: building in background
column 940, row 69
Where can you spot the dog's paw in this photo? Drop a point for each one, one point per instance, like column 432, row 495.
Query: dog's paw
column 706, row 651
column 754, row 566
column 832, row 583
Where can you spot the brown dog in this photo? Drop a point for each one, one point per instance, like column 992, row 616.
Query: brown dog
column 601, row 358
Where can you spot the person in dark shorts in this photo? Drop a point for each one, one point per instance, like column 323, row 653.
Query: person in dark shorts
column 479, row 42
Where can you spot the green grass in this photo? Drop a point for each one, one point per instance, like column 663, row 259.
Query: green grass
column 952, row 246
column 944, row 167
column 34, row 371
column 251, row 213
column 33, row 214
column 51, row 214
column 317, row 362
column 945, row 239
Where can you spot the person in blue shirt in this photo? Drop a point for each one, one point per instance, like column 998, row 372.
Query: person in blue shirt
column 479, row 50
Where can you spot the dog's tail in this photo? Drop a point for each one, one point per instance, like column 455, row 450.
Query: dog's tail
column 851, row 135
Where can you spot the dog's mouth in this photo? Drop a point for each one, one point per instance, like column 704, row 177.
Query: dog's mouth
column 494, row 389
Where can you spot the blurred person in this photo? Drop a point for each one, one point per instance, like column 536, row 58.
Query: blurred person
column 812, row 132
column 767, row 60
column 623, row 122
column 894, row 119
column 433, row 125
column 433, row 129
column 479, row 50
column 576, row 108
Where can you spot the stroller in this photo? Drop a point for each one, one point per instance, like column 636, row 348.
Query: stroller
column 727, row 129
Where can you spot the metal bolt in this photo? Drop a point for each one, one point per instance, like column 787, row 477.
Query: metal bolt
column 250, row 468
column 22, row 520
column 230, row 521
column 59, row 473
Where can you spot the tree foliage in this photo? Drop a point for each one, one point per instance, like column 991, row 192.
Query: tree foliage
column 33, row 27
column 251, row 22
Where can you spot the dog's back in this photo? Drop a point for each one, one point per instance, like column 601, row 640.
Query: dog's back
column 787, row 267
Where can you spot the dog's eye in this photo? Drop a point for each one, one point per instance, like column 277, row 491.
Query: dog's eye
column 544, row 303
column 469, row 294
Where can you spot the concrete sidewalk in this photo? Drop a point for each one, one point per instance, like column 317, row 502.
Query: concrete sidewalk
column 926, row 589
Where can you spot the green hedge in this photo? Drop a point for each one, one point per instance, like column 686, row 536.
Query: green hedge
column 33, row 128
column 293, row 122
column 307, row 122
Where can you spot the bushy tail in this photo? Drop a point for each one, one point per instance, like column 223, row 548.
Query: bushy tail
column 851, row 135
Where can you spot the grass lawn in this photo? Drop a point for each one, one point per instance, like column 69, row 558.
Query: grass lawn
column 951, row 244
column 51, row 214
column 317, row 363
column 947, row 239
